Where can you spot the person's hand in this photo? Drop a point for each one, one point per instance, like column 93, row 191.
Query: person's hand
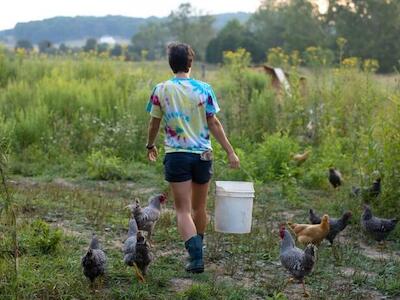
column 152, row 154
column 233, row 159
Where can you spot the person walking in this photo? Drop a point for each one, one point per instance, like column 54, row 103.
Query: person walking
column 188, row 108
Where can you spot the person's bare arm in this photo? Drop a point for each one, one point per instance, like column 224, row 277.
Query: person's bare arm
column 218, row 132
column 154, row 127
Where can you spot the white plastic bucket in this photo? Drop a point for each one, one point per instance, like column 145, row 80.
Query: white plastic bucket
column 233, row 206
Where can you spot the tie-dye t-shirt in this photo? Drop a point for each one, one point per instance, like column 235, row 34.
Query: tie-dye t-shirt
column 184, row 104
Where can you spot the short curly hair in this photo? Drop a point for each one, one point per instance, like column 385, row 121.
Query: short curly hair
column 180, row 57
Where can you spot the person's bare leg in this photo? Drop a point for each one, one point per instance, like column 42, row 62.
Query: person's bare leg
column 182, row 192
column 199, row 204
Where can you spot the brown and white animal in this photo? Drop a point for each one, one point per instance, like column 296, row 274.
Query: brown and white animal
column 299, row 263
column 147, row 217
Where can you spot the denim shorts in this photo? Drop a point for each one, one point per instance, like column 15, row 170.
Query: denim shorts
column 183, row 166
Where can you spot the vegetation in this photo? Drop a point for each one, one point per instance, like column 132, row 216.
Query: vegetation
column 296, row 25
column 76, row 126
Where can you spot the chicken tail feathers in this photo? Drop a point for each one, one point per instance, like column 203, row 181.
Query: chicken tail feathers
column 310, row 255
column 314, row 219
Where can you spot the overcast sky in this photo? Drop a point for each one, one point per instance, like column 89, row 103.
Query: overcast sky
column 14, row 11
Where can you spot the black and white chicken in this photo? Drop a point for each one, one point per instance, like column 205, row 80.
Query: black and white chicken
column 94, row 261
column 299, row 263
column 136, row 252
column 376, row 227
column 147, row 217
column 335, row 177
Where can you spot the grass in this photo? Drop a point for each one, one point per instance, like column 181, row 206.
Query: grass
column 74, row 129
column 238, row 266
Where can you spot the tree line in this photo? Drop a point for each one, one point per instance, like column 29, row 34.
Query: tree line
column 367, row 29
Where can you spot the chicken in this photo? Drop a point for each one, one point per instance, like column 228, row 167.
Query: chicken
column 129, row 248
column 375, row 189
column 143, row 256
column 299, row 263
column 147, row 217
column 313, row 234
column 335, row 178
column 378, row 228
column 94, row 262
column 368, row 192
column 335, row 225
column 301, row 157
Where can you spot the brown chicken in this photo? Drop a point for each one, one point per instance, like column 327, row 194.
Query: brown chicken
column 301, row 157
column 311, row 234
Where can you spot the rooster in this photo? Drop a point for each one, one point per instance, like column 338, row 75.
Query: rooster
column 94, row 261
column 378, row 228
column 299, row 263
column 129, row 248
column 147, row 217
column 335, row 177
column 335, row 225
column 311, row 234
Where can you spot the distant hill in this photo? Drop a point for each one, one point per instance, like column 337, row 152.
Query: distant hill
column 64, row 29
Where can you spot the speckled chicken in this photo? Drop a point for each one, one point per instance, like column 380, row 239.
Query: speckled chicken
column 335, row 225
column 147, row 217
column 311, row 234
column 335, row 177
column 94, row 261
column 378, row 228
column 143, row 256
column 129, row 248
column 368, row 192
column 299, row 263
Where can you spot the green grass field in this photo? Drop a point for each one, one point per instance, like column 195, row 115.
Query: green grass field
column 72, row 130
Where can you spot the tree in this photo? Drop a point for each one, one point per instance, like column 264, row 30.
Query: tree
column 151, row 37
column 63, row 48
column 292, row 25
column 302, row 28
column 233, row 36
column 45, row 46
column 91, row 45
column 370, row 27
column 24, row 44
column 185, row 25
column 101, row 48
column 116, row 50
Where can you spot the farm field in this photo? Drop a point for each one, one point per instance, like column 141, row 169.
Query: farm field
column 72, row 131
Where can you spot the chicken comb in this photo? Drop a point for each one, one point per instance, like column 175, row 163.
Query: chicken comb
column 164, row 197
column 282, row 229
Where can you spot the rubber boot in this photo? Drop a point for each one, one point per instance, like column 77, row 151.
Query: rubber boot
column 194, row 246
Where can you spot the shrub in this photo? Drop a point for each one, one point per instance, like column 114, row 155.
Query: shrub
column 44, row 240
column 104, row 166
column 273, row 157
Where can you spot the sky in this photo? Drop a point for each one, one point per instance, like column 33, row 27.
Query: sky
column 28, row 10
